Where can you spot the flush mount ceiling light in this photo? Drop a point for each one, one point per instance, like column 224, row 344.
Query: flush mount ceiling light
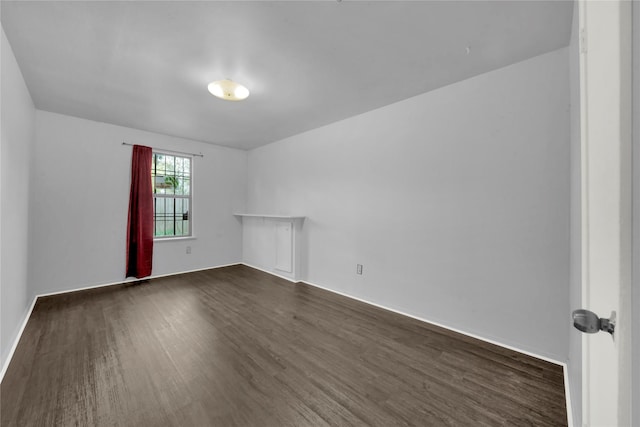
column 228, row 90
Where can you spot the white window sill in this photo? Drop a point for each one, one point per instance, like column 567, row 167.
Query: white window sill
column 173, row 239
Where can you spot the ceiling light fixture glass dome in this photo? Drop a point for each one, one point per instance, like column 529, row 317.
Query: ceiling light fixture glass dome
column 228, row 90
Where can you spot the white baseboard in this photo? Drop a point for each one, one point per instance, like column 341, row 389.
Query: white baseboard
column 567, row 395
column 481, row 338
column 132, row 280
column 441, row 325
column 491, row 341
column 270, row 272
column 5, row 365
column 431, row 322
column 102, row 285
column 567, row 392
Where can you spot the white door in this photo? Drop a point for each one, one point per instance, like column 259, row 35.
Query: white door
column 605, row 73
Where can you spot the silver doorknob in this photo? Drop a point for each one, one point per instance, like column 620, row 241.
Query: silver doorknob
column 589, row 322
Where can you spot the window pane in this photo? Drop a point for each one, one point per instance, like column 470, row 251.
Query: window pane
column 170, row 223
column 186, row 185
column 179, row 220
column 160, row 165
column 186, row 217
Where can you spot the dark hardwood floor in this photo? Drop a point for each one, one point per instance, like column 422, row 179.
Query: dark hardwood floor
column 237, row 347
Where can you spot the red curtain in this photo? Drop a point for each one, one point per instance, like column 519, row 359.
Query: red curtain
column 140, row 223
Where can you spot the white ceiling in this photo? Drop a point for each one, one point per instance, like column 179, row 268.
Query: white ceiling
column 146, row 65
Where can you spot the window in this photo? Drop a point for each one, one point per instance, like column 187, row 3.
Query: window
column 171, row 180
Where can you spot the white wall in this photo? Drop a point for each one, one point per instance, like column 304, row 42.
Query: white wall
column 455, row 201
column 574, row 363
column 17, row 123
column 80, row 199
column 635, row 402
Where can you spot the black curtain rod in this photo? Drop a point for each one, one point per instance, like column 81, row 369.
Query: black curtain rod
column 171, row 151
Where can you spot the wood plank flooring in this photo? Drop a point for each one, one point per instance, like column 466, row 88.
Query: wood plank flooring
column 238, row 347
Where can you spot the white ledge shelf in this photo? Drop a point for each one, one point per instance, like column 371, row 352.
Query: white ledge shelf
column 269, row 216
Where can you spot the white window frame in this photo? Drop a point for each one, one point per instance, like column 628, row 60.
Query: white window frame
column 174, row 196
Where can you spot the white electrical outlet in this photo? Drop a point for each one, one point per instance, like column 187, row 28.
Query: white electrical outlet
column 188, row 249
column 359, row 269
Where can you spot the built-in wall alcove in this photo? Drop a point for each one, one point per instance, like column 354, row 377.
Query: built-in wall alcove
column 274, row 243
